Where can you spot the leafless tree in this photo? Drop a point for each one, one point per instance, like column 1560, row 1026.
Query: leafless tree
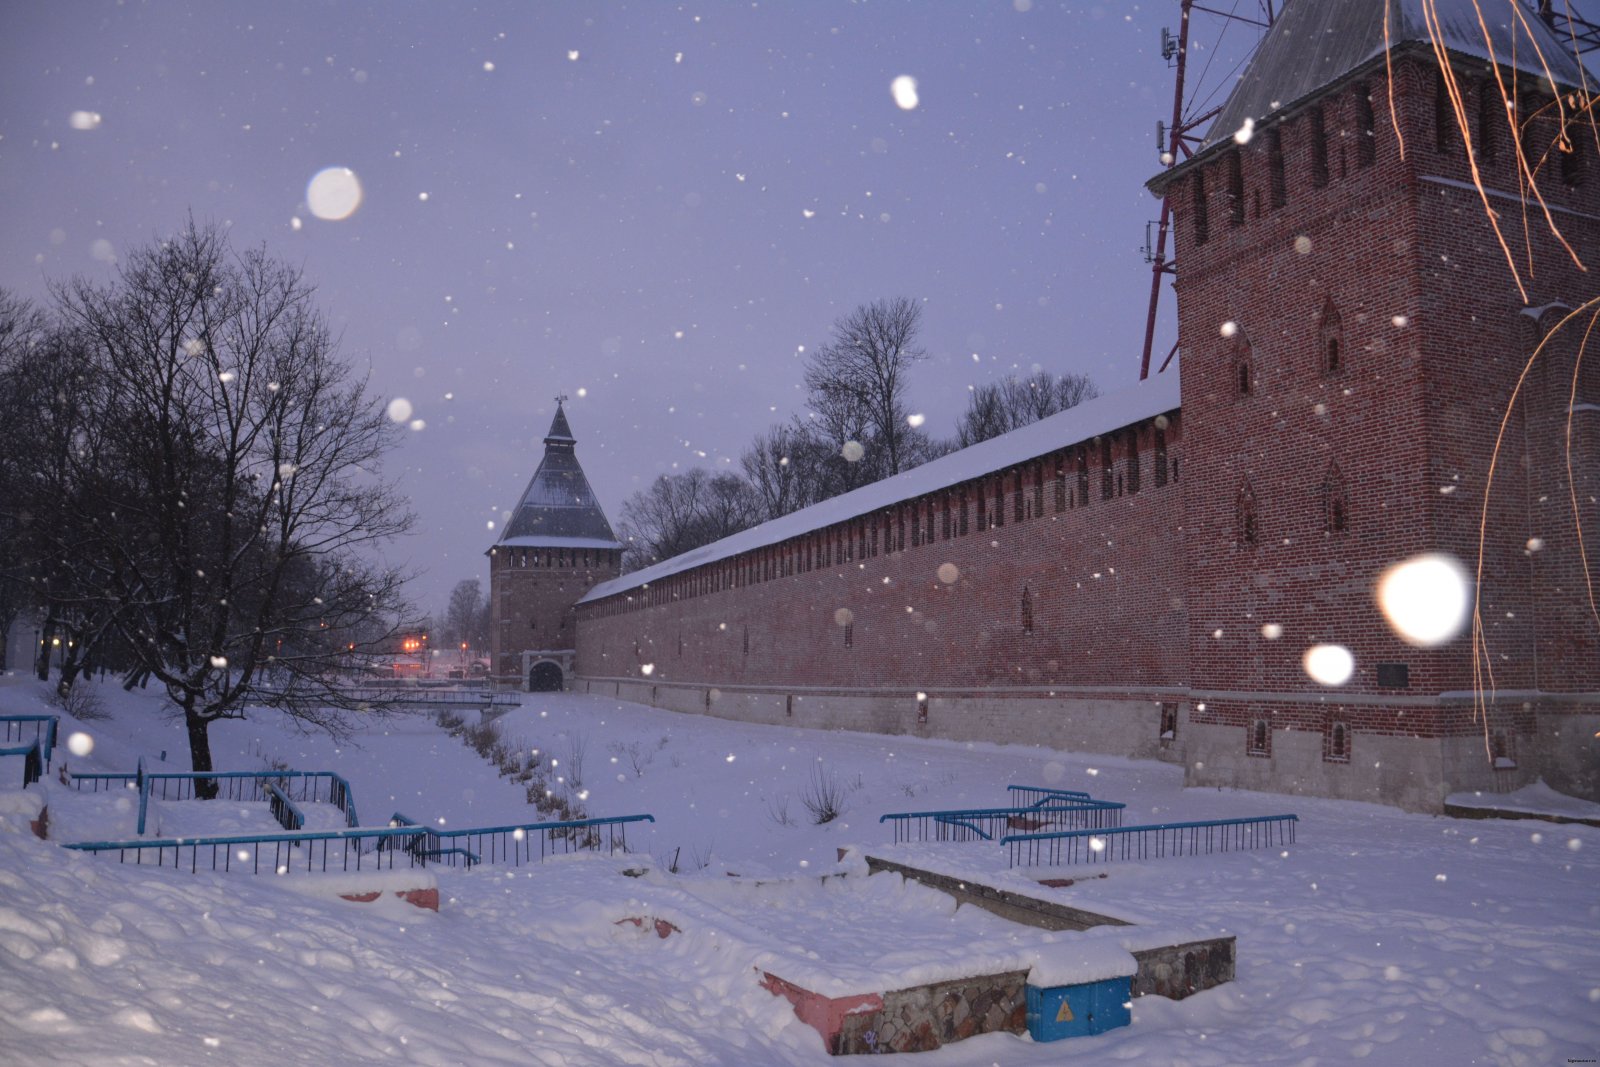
column 462, row 613
column 1000, row 407
column 50, row 433
column 235, row 485
column 781, row 467
column 680, row 512
column 857, row 385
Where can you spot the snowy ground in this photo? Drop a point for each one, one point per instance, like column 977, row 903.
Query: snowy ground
column 1381, row 937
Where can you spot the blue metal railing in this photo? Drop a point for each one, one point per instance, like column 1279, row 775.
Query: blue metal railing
column 44, row 729
column 989, row 824
column 247, row 786
column 1036, row 795
column 521, row 843
column 405, row 844
column 289, row 817
column 97, row 782
column 321, row 850
column 33, row 761
column 1155, row 841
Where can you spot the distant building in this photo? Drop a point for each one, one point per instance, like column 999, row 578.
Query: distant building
column 1145, row 574
column 557, row 545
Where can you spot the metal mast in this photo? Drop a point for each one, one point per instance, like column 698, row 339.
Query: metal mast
column 1176, row 142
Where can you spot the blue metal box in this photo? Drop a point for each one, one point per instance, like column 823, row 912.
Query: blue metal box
column 1062, row 1011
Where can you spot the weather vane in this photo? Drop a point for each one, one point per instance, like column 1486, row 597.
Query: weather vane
column 562, row 399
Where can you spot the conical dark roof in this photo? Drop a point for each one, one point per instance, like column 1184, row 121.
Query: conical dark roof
column 558, row 509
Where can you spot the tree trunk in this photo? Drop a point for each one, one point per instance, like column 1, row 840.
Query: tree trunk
column 41, row 665
column 200, row 754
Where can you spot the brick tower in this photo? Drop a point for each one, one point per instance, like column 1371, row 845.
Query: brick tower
column 557, row 545
column 1352, row 337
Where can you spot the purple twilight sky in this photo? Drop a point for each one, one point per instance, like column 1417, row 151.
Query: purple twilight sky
column 649, row 207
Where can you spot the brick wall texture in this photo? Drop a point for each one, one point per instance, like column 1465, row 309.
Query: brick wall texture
column 1363, row 381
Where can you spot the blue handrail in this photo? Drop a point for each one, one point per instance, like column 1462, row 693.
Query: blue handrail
column 339, row 792
column 986, row 824
column 341, row 849
column 279, row 853
column 45, row 730
column 516, row 844
column 283, row 809
column 1046, row 793
column 33, row 762
column 1153, row 841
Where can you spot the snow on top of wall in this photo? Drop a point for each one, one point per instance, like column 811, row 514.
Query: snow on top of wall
column 1149, row 398
column 536, row 541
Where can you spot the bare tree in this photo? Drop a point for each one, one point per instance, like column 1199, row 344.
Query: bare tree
column 23, row 330
column 780, row 467
column 1009, row 404
column 51, row 394
column 237, row 478
column 857, row 384
column 461, row 614
column 680, row 512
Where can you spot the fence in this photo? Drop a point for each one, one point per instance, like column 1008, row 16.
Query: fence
column 406, row 844
column 433, row 696
column 989, row 824
column 306, row 787
column 322, row 851
column 33, row 761
column 289, row 817
column 19, row 728
column 521, row 844
column 1036, row 795
column 1150, row 842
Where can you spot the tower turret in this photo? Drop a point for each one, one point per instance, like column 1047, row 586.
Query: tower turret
column 557, row 545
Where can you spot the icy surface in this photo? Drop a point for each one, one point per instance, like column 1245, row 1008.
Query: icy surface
column 1381, row 937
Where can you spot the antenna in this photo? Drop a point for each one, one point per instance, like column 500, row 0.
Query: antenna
column 1176, row 143
column 1584, row 34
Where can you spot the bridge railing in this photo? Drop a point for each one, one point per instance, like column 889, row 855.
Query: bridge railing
column 1156, row 841
column 318, row 851
column 991, row 824
column 475, row 697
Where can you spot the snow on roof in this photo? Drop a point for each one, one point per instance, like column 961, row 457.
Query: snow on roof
column 536, row 541
column 1093, row 417
column 1315, row 43
column 559, row 509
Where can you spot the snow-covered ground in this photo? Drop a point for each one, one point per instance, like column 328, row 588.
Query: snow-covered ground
column 1380, row 937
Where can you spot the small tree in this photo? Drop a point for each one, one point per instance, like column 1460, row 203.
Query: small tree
column 235, row 482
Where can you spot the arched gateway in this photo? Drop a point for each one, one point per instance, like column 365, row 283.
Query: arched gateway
column 545, row 677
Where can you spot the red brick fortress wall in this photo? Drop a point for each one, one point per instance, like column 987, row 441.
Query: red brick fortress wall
column 1056, row 603
column 1317, row 467
column 532, row 592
